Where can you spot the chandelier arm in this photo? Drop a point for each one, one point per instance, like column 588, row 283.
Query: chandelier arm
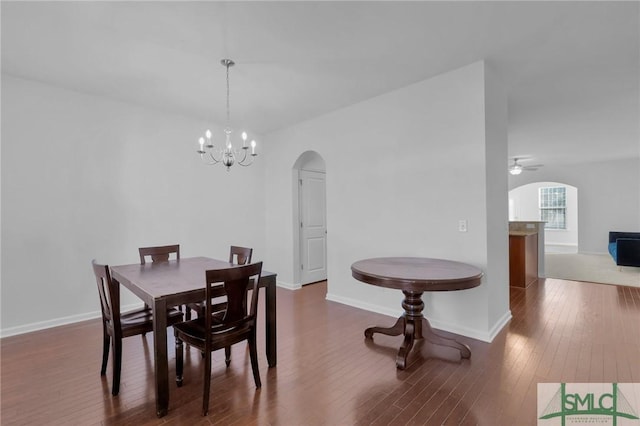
column 213, row 159
column 244, row 157
column 244, row 162
column 220, row 152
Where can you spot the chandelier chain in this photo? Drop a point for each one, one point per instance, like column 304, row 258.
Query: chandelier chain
column 228, row 114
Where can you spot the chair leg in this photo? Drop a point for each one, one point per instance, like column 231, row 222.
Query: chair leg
column 253, row 353
column 106, row 343
column 227, row 355
column 207, row 384
column 117, row 365
column 179, row 361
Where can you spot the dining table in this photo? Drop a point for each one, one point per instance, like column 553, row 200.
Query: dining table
column 413, row 276
column 162, row 285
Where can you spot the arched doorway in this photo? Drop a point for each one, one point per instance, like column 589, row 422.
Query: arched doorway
column 309, row 219
column 553, row 202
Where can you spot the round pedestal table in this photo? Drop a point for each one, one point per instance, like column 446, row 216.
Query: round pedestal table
column 413, row 276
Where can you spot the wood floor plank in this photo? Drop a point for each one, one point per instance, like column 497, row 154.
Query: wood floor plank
column 329, row 374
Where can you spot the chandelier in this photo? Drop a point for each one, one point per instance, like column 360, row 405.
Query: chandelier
column 227, row 155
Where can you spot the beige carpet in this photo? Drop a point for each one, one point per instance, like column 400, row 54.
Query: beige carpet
column 593, row 268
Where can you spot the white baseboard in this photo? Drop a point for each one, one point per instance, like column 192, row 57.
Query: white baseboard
column 560, row 248
column 590, row 253
column 499, row 325
column 288, row 286
column 395, row 313
column 42, row 325
column 485, row 336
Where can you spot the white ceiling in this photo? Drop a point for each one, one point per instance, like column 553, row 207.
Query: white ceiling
column 571, row 68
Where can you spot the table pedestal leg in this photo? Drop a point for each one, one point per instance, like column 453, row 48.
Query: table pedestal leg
column 465, row 351
column 415, row 326
column 396, row 330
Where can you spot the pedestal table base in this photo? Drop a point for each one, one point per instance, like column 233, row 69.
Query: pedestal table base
column 415, row 326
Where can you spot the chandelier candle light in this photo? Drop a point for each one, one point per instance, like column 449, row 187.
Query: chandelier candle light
column 226, row 155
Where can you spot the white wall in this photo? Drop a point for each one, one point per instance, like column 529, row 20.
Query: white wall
column 496, row 203
column 526, row 208
column 402, row 169
column 84, row 177
column 609, row 197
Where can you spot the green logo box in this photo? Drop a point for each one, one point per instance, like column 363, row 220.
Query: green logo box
column 575, row 404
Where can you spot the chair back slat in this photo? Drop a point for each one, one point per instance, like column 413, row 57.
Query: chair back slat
column 159, row 253
column 236, row 300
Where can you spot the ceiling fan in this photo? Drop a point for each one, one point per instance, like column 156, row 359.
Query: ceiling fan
column 516, row 168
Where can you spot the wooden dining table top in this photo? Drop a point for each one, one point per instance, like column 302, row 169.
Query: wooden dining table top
column 160, row 279
column 417, row 273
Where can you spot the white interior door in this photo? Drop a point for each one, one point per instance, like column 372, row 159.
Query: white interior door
column 313, row 227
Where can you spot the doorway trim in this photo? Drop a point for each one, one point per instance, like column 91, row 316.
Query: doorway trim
column 310, row 161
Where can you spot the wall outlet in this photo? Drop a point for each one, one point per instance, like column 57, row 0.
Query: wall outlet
column 462, row 225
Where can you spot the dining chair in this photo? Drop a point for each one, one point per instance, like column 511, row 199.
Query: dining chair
column 117, row 325
column 237, row 255
column 158, row 254
column 217, row 330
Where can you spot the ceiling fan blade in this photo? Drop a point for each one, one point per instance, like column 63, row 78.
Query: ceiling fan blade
column 516, row 167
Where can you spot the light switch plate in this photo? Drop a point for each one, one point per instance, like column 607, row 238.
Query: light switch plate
column 462, row 225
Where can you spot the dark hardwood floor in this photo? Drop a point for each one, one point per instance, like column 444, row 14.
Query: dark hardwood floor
column 327, row 374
